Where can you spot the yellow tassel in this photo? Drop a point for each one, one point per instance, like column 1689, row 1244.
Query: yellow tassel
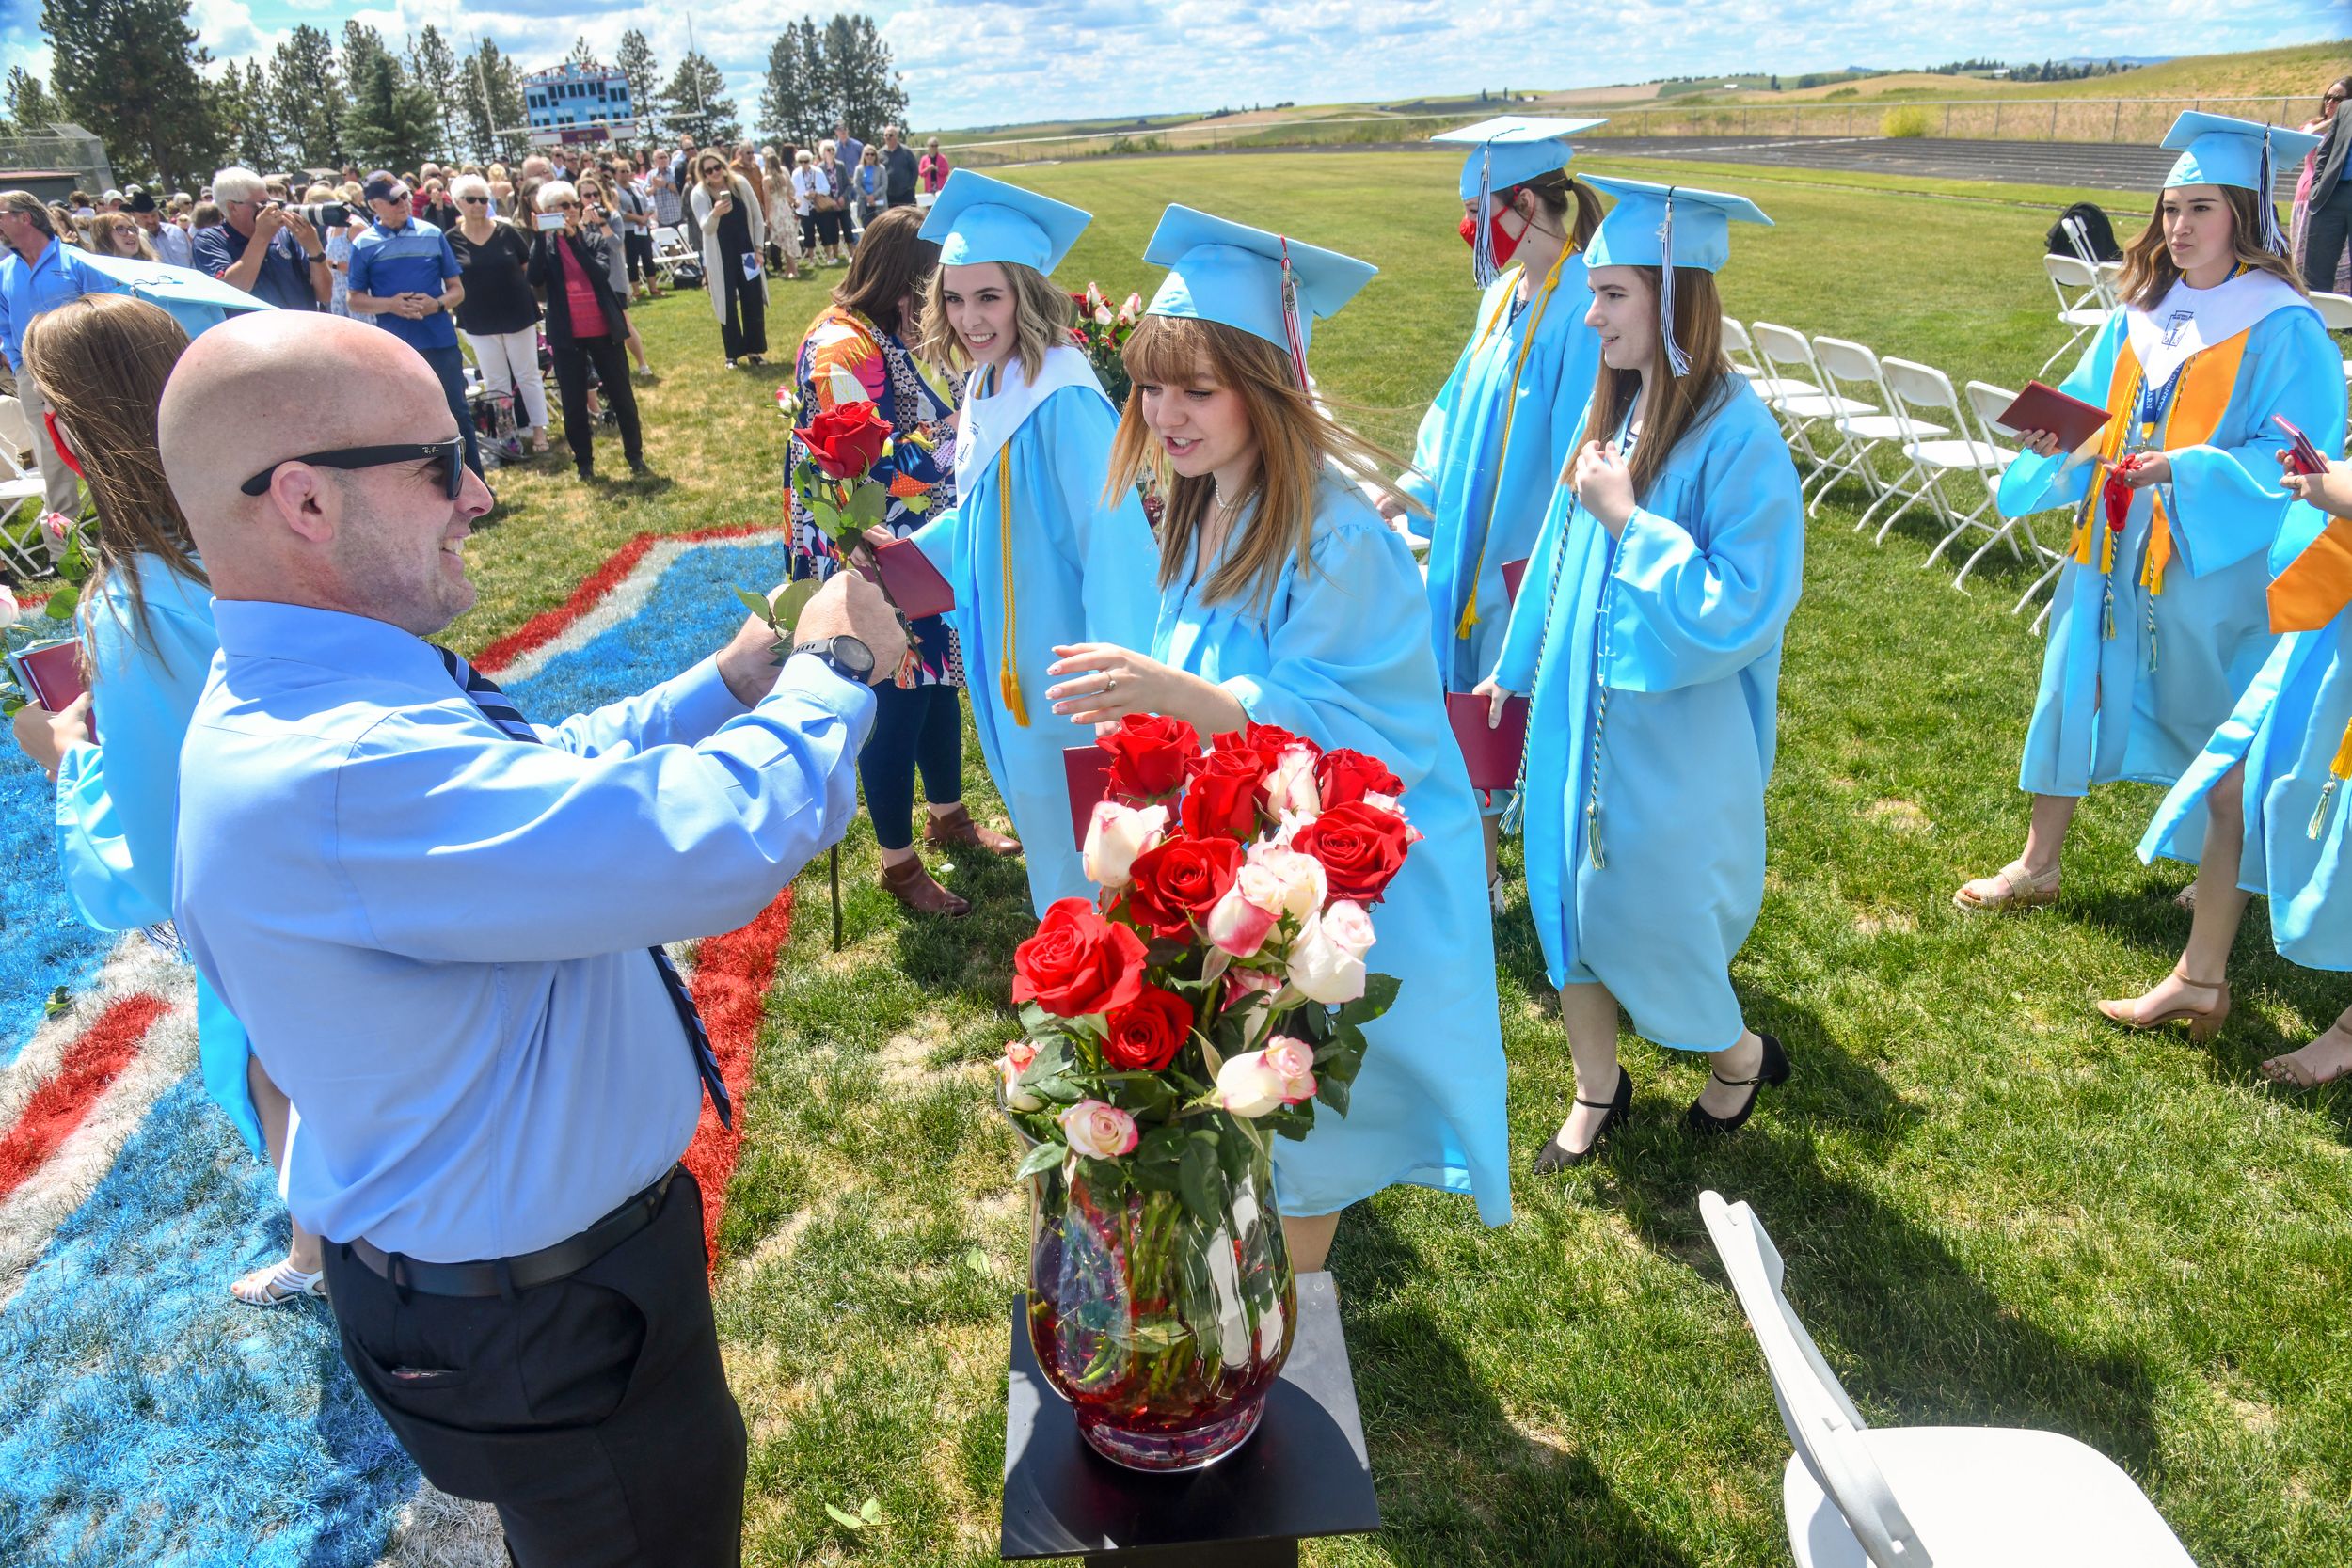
column 1008, row 680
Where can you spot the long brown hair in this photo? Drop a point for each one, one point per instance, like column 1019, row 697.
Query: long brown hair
column 892, row 264
column 1041, row 315
column 101, row 361
column 1675, row 402
column 1297, row 445
column 2149, row 272
column 1555, row 192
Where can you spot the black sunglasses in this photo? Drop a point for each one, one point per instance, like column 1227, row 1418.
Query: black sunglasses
column 448, row 454
column 475, row 200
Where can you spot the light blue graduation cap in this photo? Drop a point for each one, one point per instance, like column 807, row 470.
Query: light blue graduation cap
column 1270, row 285
column 1507, row 150
column 1651, row 223
column 977, row 219
column 2216, row 149
column 196, row 300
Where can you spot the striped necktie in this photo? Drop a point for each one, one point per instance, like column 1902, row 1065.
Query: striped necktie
column 495, row 707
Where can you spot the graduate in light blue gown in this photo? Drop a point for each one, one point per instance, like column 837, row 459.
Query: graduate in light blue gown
column 1493, row 445
column 1035, row 554
column 2157, row 630
column 147, row 631
column 1286, row 600
column 2281, row 770
column 1647, row 638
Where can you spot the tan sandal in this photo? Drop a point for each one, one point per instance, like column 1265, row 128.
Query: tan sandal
column 2203, row 1022
column 2010, row 888
column 2288, row 1073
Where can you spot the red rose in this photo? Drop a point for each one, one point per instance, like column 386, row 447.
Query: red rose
column 844, row 440
column 1273, row 740
column 1345, row 777
column 1180, row 880
column 1148, row 753
column 1221, row 792
column 1078, row 962
column 1361, row 848
column 1146, row 1034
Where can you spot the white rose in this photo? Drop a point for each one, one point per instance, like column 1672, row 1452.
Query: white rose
column 1246, row 1087
column 1292, row 1060
column 1348, row 927
column 8, row 613
column 1116, row 835
column 1300, row 879
column 1321, row 970
column 1289, row 787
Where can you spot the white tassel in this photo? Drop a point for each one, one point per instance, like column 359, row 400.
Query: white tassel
column 1676, row 360
column 1484, row 269
column 2274, row 239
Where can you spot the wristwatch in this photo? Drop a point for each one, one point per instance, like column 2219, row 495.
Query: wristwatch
column 851, row 659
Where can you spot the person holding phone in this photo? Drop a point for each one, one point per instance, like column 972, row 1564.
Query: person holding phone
column 585, row 324
column 1646, row 636
column 2158, row 623
column 734, row 229
column 600, row 215
column 2283, row 767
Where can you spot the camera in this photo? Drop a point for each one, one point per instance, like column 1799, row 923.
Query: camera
column 322, row 216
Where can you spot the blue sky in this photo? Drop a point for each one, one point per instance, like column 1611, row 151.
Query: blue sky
column 972, row 62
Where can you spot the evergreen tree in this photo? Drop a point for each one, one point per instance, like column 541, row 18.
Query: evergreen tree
column 391, row 116
column 863, row 89
column 31, row 110
column 792, row 105
column 362, row 46
column 306, row 95
column 241, row 101
column 494, row 103
column 434, row 64
column 698, row 104
column 583, row 56
column 130, row 72
column 635, row 61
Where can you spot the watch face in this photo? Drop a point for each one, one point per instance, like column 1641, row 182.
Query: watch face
column 854, row 655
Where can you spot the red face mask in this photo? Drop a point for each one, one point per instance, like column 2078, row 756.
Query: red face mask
column 1501, row 243
column 57, row 439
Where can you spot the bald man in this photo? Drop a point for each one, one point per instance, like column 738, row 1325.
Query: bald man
column 440, row 924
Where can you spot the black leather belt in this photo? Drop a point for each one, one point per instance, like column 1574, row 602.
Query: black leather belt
column 496, row 1277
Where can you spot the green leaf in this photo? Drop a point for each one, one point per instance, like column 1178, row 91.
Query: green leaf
column 793, row 600
column 1379, row 995
column 868, row 501
column 61, row 603
column 1044, row 1157
column 865, row 1516
column 758, row 604
column 870, row 1511
column 1201, row 1179
column 59, row 1001
column 1331, row 1089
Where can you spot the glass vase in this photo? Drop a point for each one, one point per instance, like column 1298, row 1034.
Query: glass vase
column 1164, row 1330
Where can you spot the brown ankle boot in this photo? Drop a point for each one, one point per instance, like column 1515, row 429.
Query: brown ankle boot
column 911, row 885
column 957, row 827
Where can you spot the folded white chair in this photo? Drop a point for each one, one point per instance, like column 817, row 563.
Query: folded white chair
column 1788, row 355
column 1988, row 402
column 1848, row 367
column 1921, row 390
column 1861, row 1496
column 2084, row 299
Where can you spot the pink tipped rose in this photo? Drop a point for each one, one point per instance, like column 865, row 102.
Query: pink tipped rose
column 1016, row 1060
column 1258, row 1081
column 1116, row 835
column 1098, row 1131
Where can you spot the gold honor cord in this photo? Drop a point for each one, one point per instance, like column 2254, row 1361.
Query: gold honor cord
column 1511, row 409
column 1008, row 678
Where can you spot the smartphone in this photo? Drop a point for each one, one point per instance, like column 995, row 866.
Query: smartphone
column 2302, row 456
column 550, row 222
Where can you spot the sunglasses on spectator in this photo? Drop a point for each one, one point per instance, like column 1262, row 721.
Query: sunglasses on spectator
column 449, row 454
column 475, row 200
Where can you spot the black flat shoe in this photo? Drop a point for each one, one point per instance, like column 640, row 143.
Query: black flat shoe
column 1775, row 1072
column 1556, row 1156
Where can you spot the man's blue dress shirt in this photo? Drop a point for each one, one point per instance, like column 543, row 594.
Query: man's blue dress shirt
column 437, row 933
column 27, row 289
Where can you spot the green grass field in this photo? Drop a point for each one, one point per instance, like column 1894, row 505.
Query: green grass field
column 1996, row 1208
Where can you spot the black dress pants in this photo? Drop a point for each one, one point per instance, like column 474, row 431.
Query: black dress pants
column 916, row 727
column 743, row 306
column 2326, row 232
column 571, row 383
column 593, row 1411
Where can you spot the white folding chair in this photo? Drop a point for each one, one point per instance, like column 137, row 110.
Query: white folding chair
column 1847, row 367
column 1919, row 391
column 1789, row 358
column 1861, row 1496
column 1741, row 350
column 669, row 249
column 16, row 431
column 23, row 547
column 1989, row 403
column 2086, row 308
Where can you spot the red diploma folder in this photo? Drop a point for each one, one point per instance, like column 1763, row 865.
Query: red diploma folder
column 1089, row 769
column 1493, row 756
column 2044, row 407
column 51, row 675
column 1513, row 572
column 909, row 581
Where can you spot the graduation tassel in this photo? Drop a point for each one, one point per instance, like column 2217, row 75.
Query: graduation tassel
column 1008, row 678
column 1484, row 267
column 1292, row 326
column 2274, row 240
column 1675, row 359
column 2338, row 771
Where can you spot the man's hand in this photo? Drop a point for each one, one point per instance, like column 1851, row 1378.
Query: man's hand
column 847, row 603
column 268, row 221
column 47, row 736
column 305, row 233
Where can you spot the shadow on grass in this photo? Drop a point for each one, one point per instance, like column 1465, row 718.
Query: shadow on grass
column 1455, row 1476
